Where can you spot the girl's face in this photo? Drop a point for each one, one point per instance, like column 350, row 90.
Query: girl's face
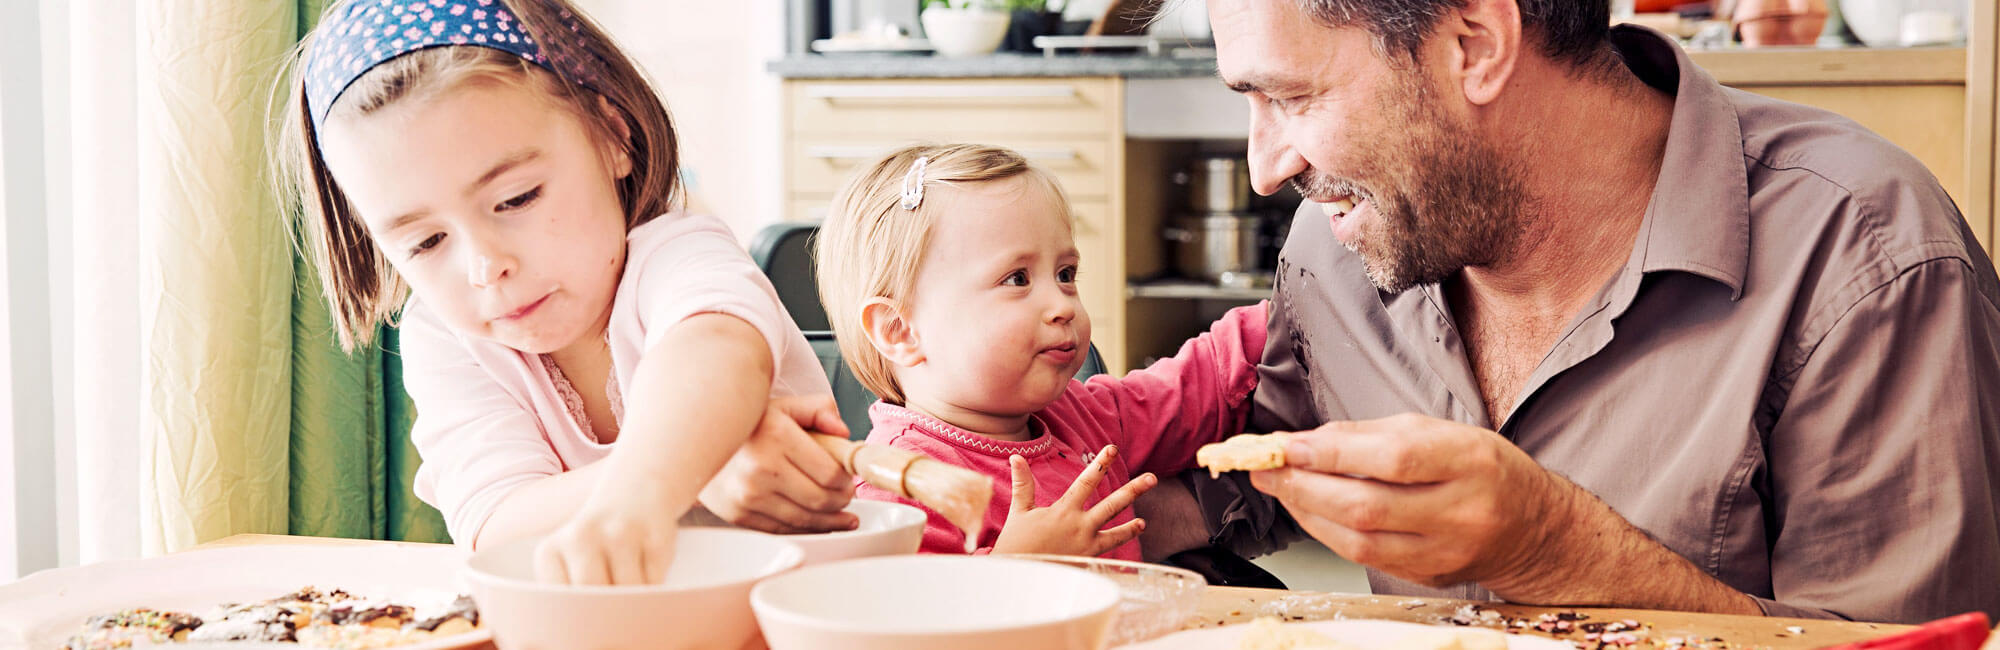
column 495, row 205
column 995, row 310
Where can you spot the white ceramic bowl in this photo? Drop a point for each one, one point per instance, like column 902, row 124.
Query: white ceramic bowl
column 1153, row 599
column 703, row 604
column 886, row 529
column 965, row 32
column 913, row 602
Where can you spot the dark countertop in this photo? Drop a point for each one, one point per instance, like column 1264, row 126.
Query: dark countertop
column 1003, row 64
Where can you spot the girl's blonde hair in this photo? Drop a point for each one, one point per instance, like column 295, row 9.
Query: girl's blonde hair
column 361, row 288
column 872, row 247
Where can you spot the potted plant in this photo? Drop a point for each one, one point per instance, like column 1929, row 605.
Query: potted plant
column 1031, row 18
column 965, row 27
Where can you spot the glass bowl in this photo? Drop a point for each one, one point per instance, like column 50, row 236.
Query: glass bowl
column 1154, row 599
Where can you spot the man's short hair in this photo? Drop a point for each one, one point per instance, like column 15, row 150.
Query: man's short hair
column 1576, row 31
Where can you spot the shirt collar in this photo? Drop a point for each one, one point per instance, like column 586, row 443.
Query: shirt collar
column 1699, row 218
column 884, row 414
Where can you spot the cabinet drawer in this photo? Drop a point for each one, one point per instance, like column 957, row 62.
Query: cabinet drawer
column 954, row 109
column 1100, row 273
column 820, row 166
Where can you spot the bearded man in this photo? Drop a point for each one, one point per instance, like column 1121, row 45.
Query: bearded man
column 1564, row 321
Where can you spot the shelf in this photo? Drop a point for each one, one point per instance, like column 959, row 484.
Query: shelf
column 1182, row 289
column 1811, row 66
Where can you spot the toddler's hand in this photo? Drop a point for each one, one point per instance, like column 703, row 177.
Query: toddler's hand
column 1070, row 526
column 623, row 536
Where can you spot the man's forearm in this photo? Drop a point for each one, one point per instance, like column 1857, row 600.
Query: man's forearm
column 1601, row 560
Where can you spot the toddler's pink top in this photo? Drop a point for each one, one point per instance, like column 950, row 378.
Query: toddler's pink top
column 491, row 419
column 1157, row 416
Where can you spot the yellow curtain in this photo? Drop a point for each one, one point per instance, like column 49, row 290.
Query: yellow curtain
column 215, row 273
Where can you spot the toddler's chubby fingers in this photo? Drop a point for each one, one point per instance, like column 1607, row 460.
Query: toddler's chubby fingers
column 1023, row 498
column 1085, row 485
column 1121, row 499
column 1116, row 536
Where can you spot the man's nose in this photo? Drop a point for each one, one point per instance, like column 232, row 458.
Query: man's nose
column 1272, row 160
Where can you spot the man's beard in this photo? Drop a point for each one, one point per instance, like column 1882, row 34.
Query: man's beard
column 1445, row 199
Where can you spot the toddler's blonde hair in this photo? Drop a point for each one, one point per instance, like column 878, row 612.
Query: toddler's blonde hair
column 871, row 247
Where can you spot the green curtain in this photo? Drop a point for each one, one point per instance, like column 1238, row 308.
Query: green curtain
column 351, row 457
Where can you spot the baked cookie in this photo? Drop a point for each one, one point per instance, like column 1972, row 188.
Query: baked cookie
column 126, row 628
column 1245, row 451
column 307, row 617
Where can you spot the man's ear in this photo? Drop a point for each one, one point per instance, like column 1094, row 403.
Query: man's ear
column 889, row 330
column 621, row 162
column 1483, row 46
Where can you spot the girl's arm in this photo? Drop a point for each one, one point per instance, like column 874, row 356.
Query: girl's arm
column 698, row 392
column 735, row 495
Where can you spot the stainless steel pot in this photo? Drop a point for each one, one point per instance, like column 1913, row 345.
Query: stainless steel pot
column 1217, row 185
column 1216, row 246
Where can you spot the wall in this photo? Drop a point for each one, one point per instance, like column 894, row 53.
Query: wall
column 707, row 59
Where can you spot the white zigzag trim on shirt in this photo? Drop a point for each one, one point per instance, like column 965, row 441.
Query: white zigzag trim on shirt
column 939, row 428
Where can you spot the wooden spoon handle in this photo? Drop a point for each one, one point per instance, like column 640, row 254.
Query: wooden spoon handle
column 880, row 465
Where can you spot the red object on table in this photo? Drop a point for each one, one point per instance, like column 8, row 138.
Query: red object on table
column 1961, row 632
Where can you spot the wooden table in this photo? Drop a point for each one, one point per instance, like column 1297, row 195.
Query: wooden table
column 1226, row 605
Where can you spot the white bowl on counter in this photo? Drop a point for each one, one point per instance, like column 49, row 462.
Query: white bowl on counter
column 913, row 602
column 885, row 529
column 965, row 32
column 704, row 603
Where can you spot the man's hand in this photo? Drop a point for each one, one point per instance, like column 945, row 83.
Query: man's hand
column 1427, row 500
column 1438, row 502
column 1071, row 525
column 779, row 481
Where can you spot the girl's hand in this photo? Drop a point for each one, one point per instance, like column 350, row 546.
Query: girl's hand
column 1070, row 526
column 623, row 536
column 780, row 481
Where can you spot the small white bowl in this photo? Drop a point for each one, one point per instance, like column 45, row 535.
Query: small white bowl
column 918, row 602
column 885, row 529
column 965, row 32
column 1154, row 599
column 703, row 604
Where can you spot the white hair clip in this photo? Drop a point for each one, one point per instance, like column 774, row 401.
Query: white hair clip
column 913, row 184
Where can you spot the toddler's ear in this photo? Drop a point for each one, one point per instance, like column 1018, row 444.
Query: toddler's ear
column 889, row 330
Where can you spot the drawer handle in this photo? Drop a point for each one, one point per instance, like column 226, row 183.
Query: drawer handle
column 831, row 153
column 941, row 91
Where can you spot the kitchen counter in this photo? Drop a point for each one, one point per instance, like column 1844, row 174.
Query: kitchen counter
column 1004, row 64
column 1770, row 66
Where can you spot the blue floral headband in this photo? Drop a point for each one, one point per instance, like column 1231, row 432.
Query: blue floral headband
column 362, row 34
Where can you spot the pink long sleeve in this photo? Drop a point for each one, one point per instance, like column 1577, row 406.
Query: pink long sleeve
column 1159, row 415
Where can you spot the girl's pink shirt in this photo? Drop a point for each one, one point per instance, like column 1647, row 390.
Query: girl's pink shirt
column 490, row 418
column 1157, row 416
